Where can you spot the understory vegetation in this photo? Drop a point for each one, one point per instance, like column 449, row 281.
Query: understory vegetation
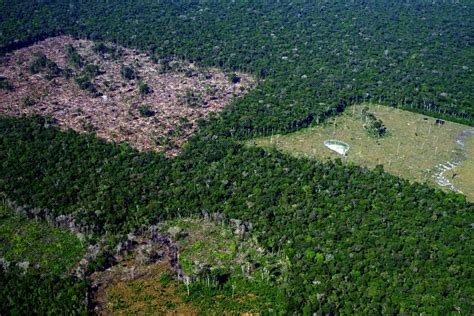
column 36, row 245
column 34, row 260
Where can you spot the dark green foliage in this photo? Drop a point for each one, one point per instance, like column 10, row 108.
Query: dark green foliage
column 234, row 78
column 191, row 98
column 358, row 241
column 144, row 89
column 5, row 84
column 85, row 83
column 31, row 293
column 365, row 241
column 29, row 101
column 86, row 78
column 128, row 73
column 373, row 125
column 102, row 49
column 73, row 57
column 41, row 63
column 91, row 71
column 314, row 56
column 145, row 110
column 236, row 296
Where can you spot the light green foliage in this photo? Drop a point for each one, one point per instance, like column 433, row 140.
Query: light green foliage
column 25, row 240
column 230, row 274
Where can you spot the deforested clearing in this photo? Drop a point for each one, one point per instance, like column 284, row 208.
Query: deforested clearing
column 416, row 147
column 120, row 94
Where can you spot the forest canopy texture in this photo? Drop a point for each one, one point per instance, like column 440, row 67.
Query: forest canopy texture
column 356, row 240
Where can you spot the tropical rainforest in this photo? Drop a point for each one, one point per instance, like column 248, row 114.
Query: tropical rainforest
column 352, row 239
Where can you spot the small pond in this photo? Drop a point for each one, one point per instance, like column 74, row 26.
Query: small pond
column 338, row 146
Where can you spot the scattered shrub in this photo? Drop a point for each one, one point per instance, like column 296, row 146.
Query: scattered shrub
column 144, row 89
column 5, row 84
column 145, row 111
column 128, row 73
column 41, row 63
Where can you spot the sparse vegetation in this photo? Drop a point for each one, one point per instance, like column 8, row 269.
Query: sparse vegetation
column 88, row 126
column 100, row 79
column 191, row 98
column 128, row 73
column 29, row 101
column 144, row 89
column 41, row 63
column 462, row 176
column 145, row 110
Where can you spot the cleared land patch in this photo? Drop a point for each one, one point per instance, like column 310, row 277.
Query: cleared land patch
column 414, row 147
column 131, row 288
column 462, row 176
column 122, row 95
column 224, row 271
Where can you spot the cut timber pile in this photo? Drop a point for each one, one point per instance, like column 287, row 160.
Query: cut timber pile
column 113, row 113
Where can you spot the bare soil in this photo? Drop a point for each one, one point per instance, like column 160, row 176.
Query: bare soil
column 114, row 112
column 131, row 288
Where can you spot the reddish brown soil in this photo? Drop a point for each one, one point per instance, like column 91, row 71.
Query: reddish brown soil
column 115, row 115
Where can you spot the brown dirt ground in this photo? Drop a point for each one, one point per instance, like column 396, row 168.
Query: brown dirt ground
column 114, row 116
column 131, row 288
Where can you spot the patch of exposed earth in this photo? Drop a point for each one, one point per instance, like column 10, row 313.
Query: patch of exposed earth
column 151, row 273
column 448, row 167
column 161, row 117
column 133, row 288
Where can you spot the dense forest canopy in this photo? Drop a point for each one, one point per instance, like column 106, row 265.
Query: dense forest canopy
column 315, row 57
column 355, row 240
column 364, row 240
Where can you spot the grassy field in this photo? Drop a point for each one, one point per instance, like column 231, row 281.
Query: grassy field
column 463, row 175
column 48, row 249
column 412, row 148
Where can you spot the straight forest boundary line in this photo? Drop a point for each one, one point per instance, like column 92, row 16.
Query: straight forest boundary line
column 414, row 148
